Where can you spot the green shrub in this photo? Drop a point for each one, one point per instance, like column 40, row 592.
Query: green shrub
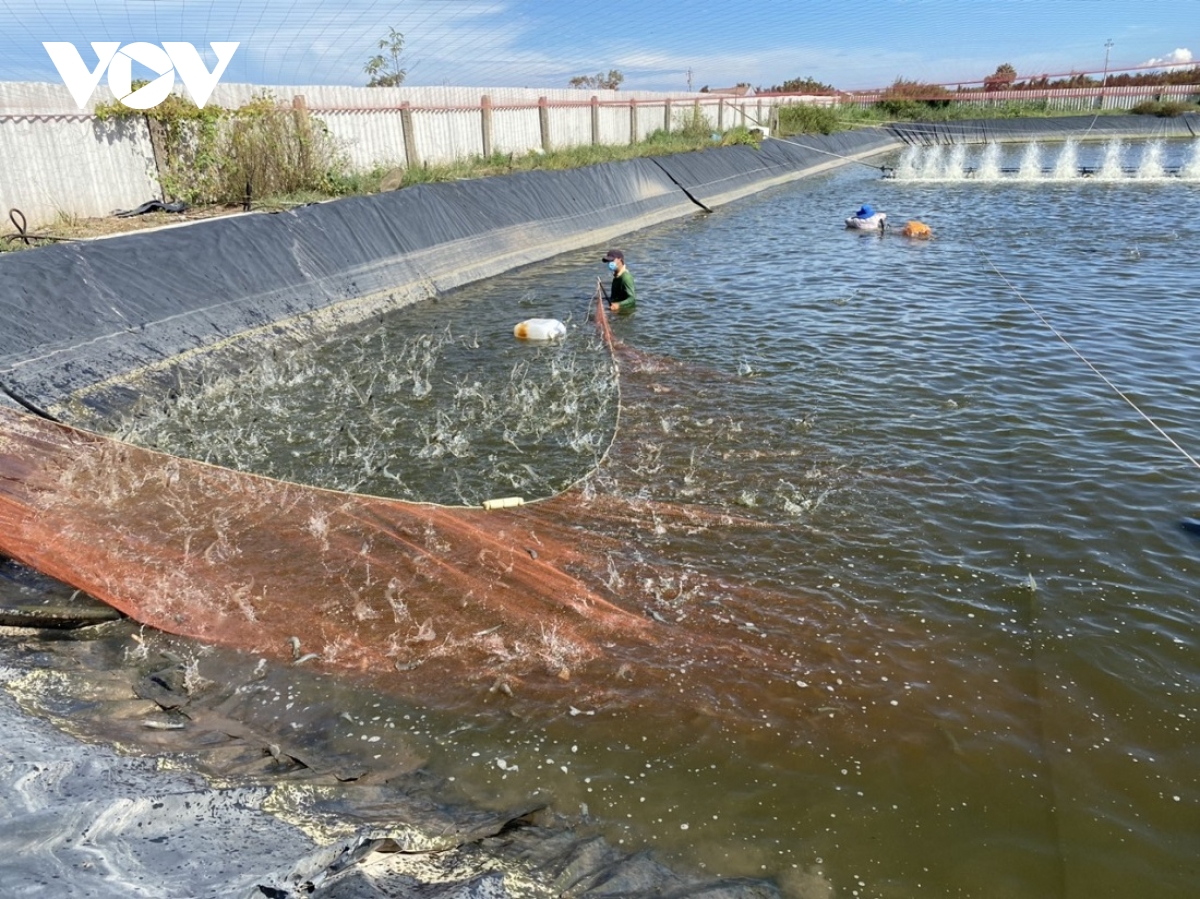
column 904, row 110
column 949, row 111
column 910, row 99
column 741, row 136
column 353, row 182
column 184, row 138
column 209, row 155
column 804, row 118
column 1005, row 109
column 1164, row 108
column 691, row 124
column 276, row 150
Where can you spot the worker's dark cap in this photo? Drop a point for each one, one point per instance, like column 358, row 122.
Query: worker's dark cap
column 613, row 255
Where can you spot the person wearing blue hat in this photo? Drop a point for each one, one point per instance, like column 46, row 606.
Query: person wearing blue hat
column 867, row 219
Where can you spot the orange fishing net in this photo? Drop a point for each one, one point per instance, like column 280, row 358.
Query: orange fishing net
column 598, row 596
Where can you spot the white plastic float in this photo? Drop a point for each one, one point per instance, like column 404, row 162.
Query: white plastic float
column 540, row 329
column 503, row 502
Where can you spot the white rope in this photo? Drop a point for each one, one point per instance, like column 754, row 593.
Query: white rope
column 1086, row 362
column 784, row 140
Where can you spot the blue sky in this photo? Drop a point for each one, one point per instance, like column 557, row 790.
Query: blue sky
column 851, row 44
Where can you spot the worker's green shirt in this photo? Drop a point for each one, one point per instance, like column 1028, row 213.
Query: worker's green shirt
column 623, row 292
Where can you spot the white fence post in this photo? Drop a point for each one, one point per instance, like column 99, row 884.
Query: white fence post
column 485, row 124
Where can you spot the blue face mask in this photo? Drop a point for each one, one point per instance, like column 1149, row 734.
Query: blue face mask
column 612, row 266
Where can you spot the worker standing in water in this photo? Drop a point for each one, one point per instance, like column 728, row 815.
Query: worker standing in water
column 622, row 297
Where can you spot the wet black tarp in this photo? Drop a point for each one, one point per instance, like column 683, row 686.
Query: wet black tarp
column 723, row 174
column 220, row 802
column 1106, row 127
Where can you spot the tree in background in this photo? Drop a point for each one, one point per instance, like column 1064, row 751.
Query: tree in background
column 1075, row 80
column 599, row 81
column 907, row 89
column 384, row 69
column 1002, row 79
column 801, row 86
column 1005, row 78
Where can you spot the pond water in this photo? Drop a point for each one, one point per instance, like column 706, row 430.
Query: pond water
column 972, row 456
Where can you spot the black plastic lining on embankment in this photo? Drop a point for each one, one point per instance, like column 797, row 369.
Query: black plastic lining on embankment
column 80, row 314
column 1059, row 128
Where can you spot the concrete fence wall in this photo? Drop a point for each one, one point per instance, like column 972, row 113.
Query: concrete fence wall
column 59, row 161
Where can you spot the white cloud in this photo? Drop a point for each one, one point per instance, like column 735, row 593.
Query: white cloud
column 1177, row 57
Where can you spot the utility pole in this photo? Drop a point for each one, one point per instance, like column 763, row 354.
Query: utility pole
column 1108, row 45
column 689, row 80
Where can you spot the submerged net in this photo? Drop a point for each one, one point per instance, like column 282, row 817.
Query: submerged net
column 384, row 409
column 601, row 597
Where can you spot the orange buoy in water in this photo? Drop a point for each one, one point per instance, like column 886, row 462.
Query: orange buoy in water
column 919, row 230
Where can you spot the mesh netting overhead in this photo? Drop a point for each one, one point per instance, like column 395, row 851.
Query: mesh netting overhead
column 667, row 45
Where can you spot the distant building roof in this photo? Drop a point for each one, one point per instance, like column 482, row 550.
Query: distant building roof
column 741, row 90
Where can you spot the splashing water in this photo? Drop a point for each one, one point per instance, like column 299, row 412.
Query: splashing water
column 1191, row 168
column 989, row 165
column 1111, row 168
column 353, row 414
column 1031, row 163
column 1151, row 168
column 565, row 599
column 1067, row 164
column 1114, row 161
